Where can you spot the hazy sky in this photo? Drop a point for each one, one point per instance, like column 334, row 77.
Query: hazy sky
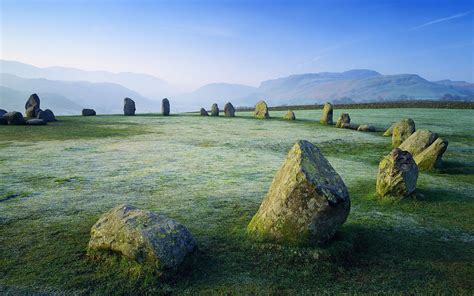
column 190, row 43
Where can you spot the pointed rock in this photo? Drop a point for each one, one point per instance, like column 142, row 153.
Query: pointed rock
column 229, row 110
column 32, row 106
column 204, row 112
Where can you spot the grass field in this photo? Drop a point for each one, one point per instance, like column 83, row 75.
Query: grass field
column 211, row 175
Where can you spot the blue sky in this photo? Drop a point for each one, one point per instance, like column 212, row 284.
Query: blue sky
column 190, row 43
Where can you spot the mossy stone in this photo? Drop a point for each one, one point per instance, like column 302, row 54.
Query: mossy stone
column 343, row 119
column 401, row 131
column 418, row 141
column 430, row 158
column 326, row 115
column 289, row 115
column 261, row 110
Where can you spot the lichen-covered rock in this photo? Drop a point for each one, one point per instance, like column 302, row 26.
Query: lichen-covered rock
column 88, row 112
column 203, row 112
column 389, row 131
column 36, row 122
column 344, row 118
column 229, row 110
column 14, row 118
column 165, row 107
column 397, row 175
column 261, row 110
column 128, row 106
column 47, row 115
column 431, row 157
column 307, row 201
column 326, row 116
column 418, row 141
column 214, row 110
column 366, row 128
column 289, row 115
column 401, row 131
column 351, row 126
column 32, row 106
column 142, row 236
column 2, row 112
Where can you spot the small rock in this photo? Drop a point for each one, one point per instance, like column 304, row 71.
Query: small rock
column 289, row 115
column 401, row 131
column 14, row 118
column 214, row 110
column 88, row 112
column 306, row 203
column 145, row 237
column 351, row 126
column 204, row 112
column 165, row 107
column 397, row 175
column 431, row 157
column 326, row 116
column 36, row 122
column 418, row 141
column 47, row 115
column 128, row 106
column 366, row 128
column 344, row 118
column 32, row 106
column 261, row 110
column 229, row 110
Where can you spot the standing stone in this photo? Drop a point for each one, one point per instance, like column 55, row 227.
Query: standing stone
column 143, row 236
column 397, row 175
column 401, row 131
column 229, row 110
column 431, row 157
column 204, row 112
column 214, row 110
column 326, row 116
column 128, row 106
column 32, row 106
column 418, row 141
column 366, row 128
column 306, row 203
column 165, row 107
column 47, row 115
column 14, row 118
column 261, row 110
column 2, row 112
column 344, row 118
column 88, row 112
column 290, row 115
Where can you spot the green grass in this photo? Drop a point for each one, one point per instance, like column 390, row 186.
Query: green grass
column 211, row 175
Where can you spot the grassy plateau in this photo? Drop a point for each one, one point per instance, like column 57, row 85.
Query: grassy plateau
column 211, row 175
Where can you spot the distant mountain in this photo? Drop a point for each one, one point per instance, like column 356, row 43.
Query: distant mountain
column 147, row 85
column 69, row 97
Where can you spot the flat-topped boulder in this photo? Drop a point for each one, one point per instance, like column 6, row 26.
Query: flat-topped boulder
column 326, row 115
column 214, row 110
column 289, row 115
column 229, row 110
column 88, row 112
column 261, row 110
column 203, row 112
column 366, row 128
column 307, row 201
column 344, row 118
column 145, row 237
column 46, row 115
column 14, row 118
column 128, row 107
column 430, row 158
column 418, row 141
column 397, row 175
column 165, row 107
column 32, row 106
column 401, row 131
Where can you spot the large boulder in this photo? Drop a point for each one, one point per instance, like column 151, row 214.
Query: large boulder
column 307, row 201
column 431, row 157
column 229, row 110
column 36, row 122
column 14, row 118
column 214, row 110
column 289, row 115
column 366, row 128
column 397, row 175
column 142, row 236
column 344, row 118
column 47, row 115
column 2, row 112
column 88, row 112
column 165, row 107
column 128, row 106
column 32, row 106
column 326, row 116
column 401, row 131
column 261, row 110
column 418, row 141
column 203, row 112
